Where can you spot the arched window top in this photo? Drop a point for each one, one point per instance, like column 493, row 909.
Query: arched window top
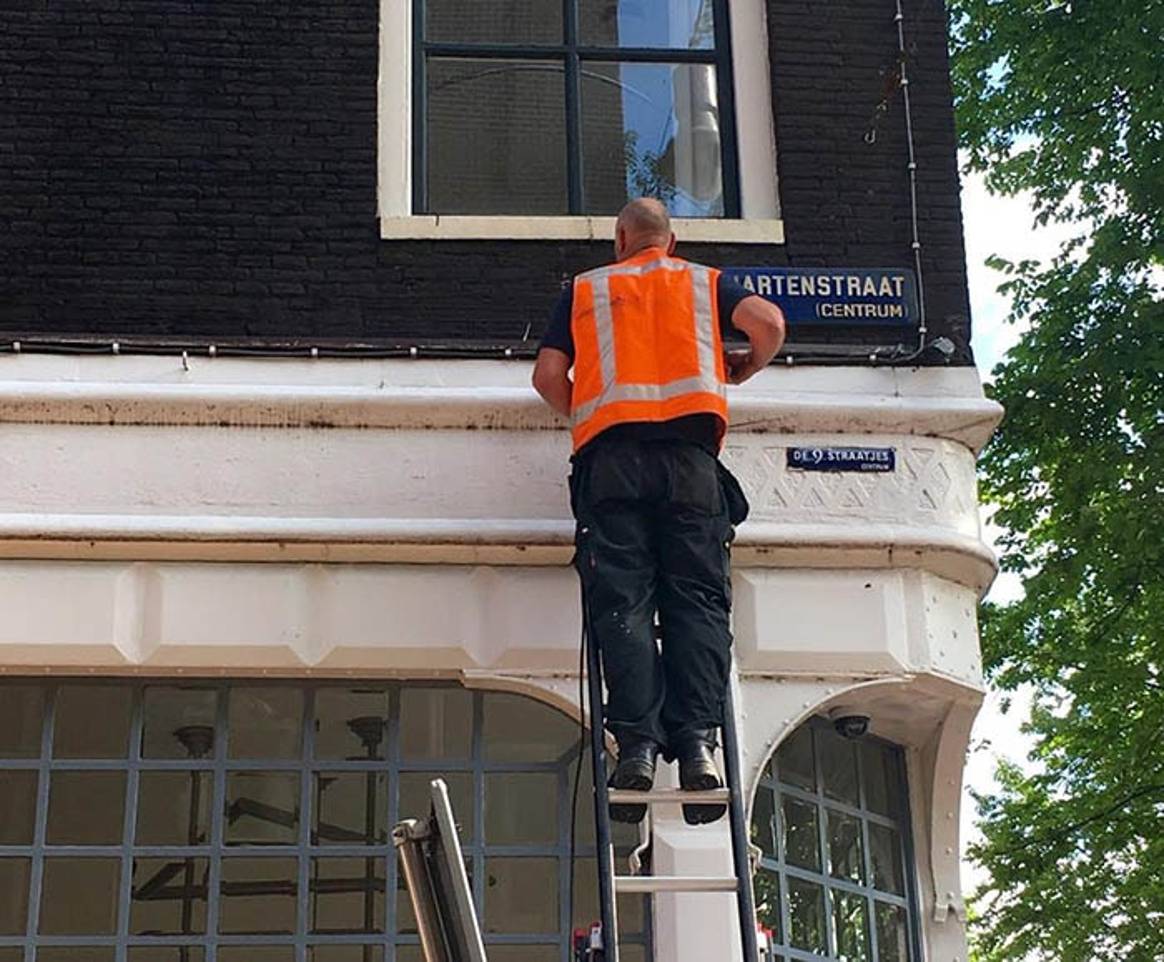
column 831, row 817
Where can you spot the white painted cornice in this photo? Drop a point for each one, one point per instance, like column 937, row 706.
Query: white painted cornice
column 493, row 395
column 449, row 462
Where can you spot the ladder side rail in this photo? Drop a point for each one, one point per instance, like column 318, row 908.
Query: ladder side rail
column 410, row 838
column 602, row 837
column 745, row 898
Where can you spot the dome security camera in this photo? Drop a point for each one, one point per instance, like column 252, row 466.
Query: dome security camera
column 849, row 723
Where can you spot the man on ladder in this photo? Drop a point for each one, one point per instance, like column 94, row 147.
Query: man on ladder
column 655, row 509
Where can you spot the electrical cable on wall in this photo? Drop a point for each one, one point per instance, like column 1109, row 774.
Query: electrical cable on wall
column 915, row 239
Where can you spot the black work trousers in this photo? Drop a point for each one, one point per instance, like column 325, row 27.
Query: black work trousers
column 653, row 537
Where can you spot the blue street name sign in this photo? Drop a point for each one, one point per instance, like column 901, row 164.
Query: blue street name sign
column 836, row 296
column 842, row 459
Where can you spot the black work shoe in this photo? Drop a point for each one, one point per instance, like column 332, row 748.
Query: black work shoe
column 697, row 773
column 635, row 771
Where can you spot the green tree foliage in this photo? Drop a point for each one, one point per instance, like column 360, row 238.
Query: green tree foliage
column 1065, row 100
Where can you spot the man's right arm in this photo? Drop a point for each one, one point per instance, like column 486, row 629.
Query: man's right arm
column 551, row 379
column 551, row 373
column 763, row 324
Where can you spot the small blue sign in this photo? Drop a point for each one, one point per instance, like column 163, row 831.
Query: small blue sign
column 842, row 459
column 836, row 296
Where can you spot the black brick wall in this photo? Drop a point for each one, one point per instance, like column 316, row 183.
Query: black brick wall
column 180, row 168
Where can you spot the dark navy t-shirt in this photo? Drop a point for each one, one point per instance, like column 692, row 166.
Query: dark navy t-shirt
column 701, row 429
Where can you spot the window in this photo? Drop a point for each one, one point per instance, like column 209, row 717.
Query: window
column 213, row 822
column 831, row 819
column 551, row 108
column 530, row 119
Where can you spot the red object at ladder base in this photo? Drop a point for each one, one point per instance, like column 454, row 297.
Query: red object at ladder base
column 588, row 944
column 764, row 942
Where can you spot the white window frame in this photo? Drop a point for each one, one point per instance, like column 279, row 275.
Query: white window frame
column 759, row 222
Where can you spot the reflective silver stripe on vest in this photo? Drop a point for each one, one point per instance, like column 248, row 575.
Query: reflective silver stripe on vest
column 706, row 382
column 647, row 392
column 604, row 328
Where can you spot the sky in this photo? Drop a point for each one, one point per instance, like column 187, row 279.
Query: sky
column 1002, row 226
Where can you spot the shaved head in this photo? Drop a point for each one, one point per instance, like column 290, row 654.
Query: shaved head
column 642, row 223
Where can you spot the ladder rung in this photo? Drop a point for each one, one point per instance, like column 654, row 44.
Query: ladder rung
column 641, row 884
column 659, row 796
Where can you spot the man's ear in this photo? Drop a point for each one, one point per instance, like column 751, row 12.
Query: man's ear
column 671, row 245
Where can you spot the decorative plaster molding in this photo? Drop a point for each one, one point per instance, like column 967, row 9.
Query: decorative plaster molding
column 474, row 395
column 446, row 463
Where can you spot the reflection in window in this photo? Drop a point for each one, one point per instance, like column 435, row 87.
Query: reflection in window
column 524, row 110
column 831, row 821
column 259, row 816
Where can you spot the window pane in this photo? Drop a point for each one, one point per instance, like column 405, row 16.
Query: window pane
column 11, row 954
column 351, row 808
column 764, row 821
column 807, row 915
column 169, row 953
column 21, row 715
column 767, row 889
column 521, row 809
column 679, row 24
column 92, row 721
column 838, row 759
column 882, row 782
column 347, row 895
column 258, row 896
column 436, row 723
column 17, row 807
column 533, row 953
column 346, row 953
column 519, row 729
column 521, row 895
column 851, row 921
column 801, row 837
column 350, row 722
column 845, row 860
column 178, row 722
column 885, row 851
column 416, row 798
column 630, row 908
column 86, row 808
column 75, row 953
column 256, row 953
column 652, row 130
column 262, row 808
column 14, row 904
column 496, row 137
column 265, row 722
column 79, row 896
column 494, row 21
column 794, row 760
column 173, row 808
column 169, row 896
column 892, row 934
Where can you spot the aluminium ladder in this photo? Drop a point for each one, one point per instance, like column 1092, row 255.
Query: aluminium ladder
column 609, row 884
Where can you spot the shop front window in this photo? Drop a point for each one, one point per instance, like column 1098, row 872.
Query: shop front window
column 242, row 822
column 831, row 820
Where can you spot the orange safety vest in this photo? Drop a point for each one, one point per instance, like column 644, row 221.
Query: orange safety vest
column 647, row 344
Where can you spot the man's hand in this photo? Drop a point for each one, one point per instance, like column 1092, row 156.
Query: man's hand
column 737, row 364
column 551, row 379
column 763, row 323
